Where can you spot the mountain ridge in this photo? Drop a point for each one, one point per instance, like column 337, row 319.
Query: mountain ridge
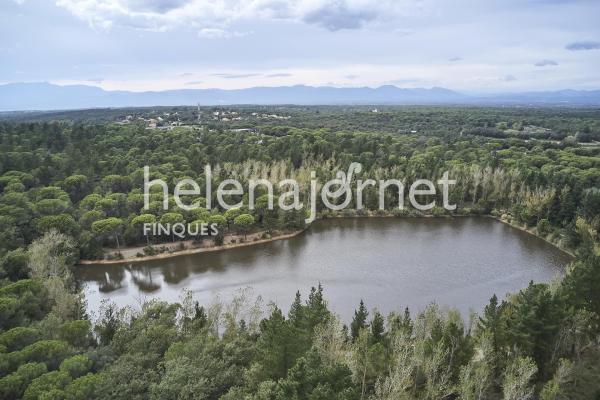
column 48, row 96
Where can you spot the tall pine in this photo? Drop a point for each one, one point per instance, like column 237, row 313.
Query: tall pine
column 359, row 321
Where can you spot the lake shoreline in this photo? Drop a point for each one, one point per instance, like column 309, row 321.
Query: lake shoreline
column 196, row 250
column 236, row 242
column 533, row 233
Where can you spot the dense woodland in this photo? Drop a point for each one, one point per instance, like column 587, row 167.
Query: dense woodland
column 71, row 187
column 558, row 122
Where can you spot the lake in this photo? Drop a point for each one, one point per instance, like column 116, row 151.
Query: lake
column 391, row 263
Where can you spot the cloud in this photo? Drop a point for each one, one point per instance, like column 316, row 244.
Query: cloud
column 96, row 80
column 545, row 63
column 337, row 15
column 194, row 83
column 213, row 18
column 455, row 59
column 278, row 75
column 583, row 45
column 157, row 6
column 508, row 78
column 351, row 77
column 218, row 33
column 236, row 76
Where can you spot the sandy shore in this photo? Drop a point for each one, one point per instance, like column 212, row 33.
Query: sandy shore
column 230, row 242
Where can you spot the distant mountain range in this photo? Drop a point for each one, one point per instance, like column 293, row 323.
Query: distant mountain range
column 46, row 96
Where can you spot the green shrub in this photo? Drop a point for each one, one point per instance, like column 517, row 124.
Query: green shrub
column 19, row 337
column 12, row 386
column 76, row 366
column 49, row 386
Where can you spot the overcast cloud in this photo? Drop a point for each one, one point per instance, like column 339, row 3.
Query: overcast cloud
column 584, row 45
column 512, row 45
column 545, row 63
column 212, row 14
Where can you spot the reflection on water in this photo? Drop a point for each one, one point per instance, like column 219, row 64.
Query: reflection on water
column 390, row 263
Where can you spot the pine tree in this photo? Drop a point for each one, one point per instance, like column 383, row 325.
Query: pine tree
column 407, row 325
column 297, row 318
column 359, row 321
column 377, row 327
column 533, row 324
column 297, row 313
column 316, row 308
column 276, row 346
column 582, row 285
column 491, row 322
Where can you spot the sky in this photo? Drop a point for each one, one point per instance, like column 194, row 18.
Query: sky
column 473, row 46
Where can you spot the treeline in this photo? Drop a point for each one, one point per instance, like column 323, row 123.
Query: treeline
column 87, row 181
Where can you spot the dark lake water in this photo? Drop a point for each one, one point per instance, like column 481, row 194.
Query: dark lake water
column 390, row 263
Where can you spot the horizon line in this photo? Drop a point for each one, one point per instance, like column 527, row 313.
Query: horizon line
column 305, row 85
